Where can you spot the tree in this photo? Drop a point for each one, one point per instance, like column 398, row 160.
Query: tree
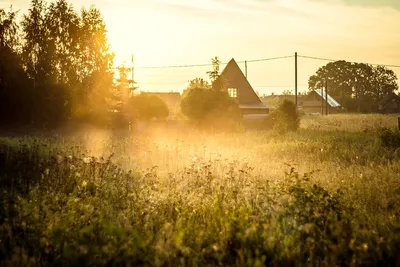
column 146, row 107
column 204, row 106
column 60, row 69
column 358, row 86
column 199, row 82
column 8, row 29
column 339, row 76
column 37, row 49
column 287, row 92
column 65, row 49
column 63, row 28
column 384, row 82
column 214, row 73
column 217, row 82
column 15, row 87
column 196, row 83
column 95, row 57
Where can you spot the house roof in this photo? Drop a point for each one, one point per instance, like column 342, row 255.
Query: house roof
column 331, row 101
column 233, row 77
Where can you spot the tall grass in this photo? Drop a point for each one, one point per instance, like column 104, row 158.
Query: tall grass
column 315, row 197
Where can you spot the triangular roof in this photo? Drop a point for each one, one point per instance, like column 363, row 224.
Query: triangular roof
column 331, row 101
column 233, row 77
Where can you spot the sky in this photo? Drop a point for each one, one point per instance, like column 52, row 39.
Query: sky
column 182, row 32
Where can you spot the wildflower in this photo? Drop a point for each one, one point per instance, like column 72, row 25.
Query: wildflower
column 365, row 246
column 84, row 184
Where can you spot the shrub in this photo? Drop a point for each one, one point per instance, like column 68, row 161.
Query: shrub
column 147, row 107
column 285, row 118
column 210, row 107
column 389, row 138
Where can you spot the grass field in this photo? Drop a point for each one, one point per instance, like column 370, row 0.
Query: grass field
column 326, row 195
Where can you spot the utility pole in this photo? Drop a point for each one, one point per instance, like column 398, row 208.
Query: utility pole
column 295, row 77
column 322, row 100
column 245, row 68
column 133, row 80
column 326, row 97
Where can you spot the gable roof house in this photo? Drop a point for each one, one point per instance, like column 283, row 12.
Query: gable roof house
column 316, row 100
column 390, row 104
column 240, row 88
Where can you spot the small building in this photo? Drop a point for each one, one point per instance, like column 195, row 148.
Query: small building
column 240, row 89
column 390, row 104
column 173, row 100
column 316, row 101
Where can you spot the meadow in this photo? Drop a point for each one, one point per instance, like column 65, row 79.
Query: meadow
column 326, row 195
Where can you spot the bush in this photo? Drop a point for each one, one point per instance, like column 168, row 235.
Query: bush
column 147, row 107
column 208, row 107
column 285, row 118
column 389, row 138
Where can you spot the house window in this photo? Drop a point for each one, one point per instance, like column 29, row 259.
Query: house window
column 232, row 92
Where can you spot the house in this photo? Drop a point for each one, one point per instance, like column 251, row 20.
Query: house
column 173, row 100
column 240, row 88
column 315, row 102
column 390, row 104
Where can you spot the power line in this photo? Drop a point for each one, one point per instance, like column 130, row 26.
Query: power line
column 175, row 66
column 265, row 59
column 317, row 58
column 278, row 86
column 332, row 60
column 204, row 65
column 183, row 82
column 250, row 61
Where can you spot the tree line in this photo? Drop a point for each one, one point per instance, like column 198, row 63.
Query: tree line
column 55, row 64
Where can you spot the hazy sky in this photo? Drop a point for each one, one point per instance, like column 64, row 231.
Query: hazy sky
column 171, row 32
